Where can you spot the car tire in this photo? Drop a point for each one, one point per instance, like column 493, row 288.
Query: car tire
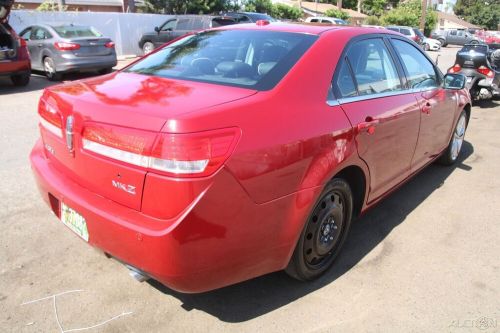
column 20, row 80
column 426, row 47
column 452, row 152
column 148, row 47
column 50, row 70
column 105, row 71
column 324, row 233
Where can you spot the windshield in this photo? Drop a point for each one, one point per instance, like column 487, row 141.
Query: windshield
column 242, row 58
column 71, row 31
column 259, row 16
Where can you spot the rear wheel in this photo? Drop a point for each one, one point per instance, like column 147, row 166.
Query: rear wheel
column 49, row 68
column 450, row 155
column 20, row 80
column 324, row 233
column 148, row 47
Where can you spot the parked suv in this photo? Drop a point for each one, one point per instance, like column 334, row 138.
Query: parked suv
column 412, row 33
column 178, row 26
column 455, row 37
column 14, row 55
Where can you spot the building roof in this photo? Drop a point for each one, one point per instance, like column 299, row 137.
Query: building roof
column 321, row 8
column 81, row 2
column 455, row 19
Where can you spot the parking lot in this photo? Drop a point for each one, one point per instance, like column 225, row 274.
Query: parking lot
column 425, row 260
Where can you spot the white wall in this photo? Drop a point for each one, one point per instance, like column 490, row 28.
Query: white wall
column 125, row 29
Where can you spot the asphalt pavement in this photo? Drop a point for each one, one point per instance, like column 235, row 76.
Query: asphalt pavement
column 425, row 260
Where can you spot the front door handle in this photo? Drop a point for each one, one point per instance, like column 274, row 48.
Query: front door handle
column 427, row 108
column 368, row 125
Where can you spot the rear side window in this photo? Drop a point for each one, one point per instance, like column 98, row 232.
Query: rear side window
column 344, row 83
column 406, row 32
column 70, row 31
column 244, row 58
column 373, row 68
column 420, row 71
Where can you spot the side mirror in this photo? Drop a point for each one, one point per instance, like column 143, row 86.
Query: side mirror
column 157, row 29
column 454, row 81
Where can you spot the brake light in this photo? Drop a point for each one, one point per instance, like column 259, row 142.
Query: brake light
column 50, row 118
column 181, row 155
column 109, row 45
column 485, row 71
column 455, row 69
column 63, row 46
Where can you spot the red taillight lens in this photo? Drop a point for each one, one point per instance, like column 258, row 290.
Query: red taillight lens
column 109, row 45
column 455, row 69
column 63, row 46
column 181, row 155
column 485, row 71
column 50, row 117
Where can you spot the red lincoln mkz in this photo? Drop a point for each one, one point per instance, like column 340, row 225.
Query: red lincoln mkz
column 244, row 150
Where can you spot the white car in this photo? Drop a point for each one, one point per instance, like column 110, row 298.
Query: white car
column 326, row 19
column 430, row 44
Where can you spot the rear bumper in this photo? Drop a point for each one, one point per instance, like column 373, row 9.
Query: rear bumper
column 224, row 238
column 74, row 64
column 9, row 68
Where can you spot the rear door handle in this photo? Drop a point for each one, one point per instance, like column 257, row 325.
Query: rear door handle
column 427, row 108
column 368, row 125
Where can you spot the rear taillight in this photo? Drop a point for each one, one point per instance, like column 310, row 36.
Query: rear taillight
column 109, row 45
column 50, row 118
column 455, row 69
column 485, row 71
column 63, row 46
column 180, row 155
column 23, row 52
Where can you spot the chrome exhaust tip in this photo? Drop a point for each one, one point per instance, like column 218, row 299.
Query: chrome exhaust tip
column 137, row 274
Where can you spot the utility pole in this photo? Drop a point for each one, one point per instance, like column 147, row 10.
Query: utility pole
column 61, row 4
column 424, row 13
column 339, row 4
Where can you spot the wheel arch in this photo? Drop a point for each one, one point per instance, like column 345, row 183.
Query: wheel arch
column 357, row 180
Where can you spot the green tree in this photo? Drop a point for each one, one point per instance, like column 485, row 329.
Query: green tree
column 188, row 6
column 482, row 13
column 282, row 11
column 373, row 7
column 50, row 6
column 259, row 6
column 408, row 13
column 334, row 12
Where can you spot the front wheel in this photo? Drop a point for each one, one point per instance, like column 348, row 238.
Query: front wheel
column 426, row 47
column 450, row 155
column 324, row 232
column 148, row 47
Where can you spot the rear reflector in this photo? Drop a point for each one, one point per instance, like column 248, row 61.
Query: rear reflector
column 183, row 155
column 63, row 46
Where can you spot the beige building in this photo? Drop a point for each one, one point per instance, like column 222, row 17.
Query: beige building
column 81, row 5
column 314, row 8
column 450, row 21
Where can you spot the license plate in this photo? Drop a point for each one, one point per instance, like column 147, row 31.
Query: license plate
column 74, row 221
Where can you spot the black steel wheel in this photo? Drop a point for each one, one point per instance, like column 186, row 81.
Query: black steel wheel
column 324, row 233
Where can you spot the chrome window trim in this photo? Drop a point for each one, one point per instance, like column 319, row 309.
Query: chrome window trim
column 340, row 101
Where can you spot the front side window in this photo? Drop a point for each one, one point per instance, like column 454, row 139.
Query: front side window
column 40, row 34
column 169, row 26
column 420, row 71
column 26, row 34
column 184, row 24
column 245, row 58
column 373, row 67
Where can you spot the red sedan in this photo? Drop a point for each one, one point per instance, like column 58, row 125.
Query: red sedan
column 243, row 150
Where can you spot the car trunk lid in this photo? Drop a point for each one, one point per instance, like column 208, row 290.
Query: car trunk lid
column 91, row 47
column 120, row 101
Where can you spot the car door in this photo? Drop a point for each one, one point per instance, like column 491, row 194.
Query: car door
column 452, row 37
column 437, row 104
column 384, row 115
column 35, row 45
column 166, row 32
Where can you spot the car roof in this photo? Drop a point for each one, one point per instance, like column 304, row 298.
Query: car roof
column 306, row 28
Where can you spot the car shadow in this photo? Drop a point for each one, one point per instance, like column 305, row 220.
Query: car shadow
column 487, row 103
column 38, row 81
column 256, row 297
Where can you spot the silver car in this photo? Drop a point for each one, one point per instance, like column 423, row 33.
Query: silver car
column 64, row 48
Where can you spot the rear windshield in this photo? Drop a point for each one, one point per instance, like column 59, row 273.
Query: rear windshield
column 418, row 33
column 70, row 31
column 242, row 58
column 475, row 47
